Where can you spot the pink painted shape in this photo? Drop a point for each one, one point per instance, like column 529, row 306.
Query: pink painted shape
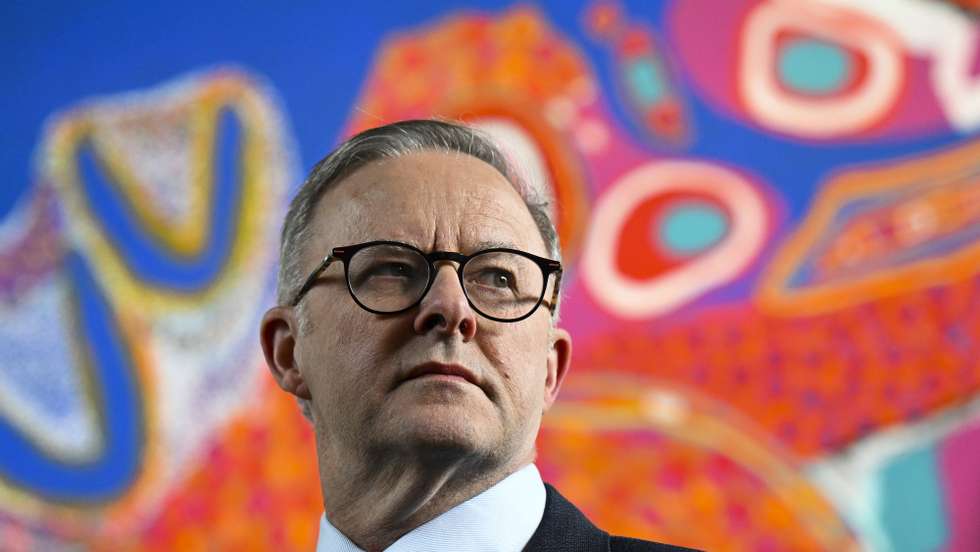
column 707, row 48
column 974, row 70
column 580, row 314
column 917, row 109
column 960, row 461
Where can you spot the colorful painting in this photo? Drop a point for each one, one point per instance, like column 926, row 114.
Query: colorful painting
column 770, row 219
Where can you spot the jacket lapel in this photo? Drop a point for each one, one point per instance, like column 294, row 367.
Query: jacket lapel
column 563, row 527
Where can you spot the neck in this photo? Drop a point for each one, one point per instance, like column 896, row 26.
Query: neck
column 376, row 500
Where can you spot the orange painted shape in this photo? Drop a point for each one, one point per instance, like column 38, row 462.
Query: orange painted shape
column 920, row 176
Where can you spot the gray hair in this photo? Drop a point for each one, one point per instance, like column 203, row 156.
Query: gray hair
column 388, row 142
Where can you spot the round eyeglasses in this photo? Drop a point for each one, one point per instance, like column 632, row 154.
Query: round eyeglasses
column 387, row 277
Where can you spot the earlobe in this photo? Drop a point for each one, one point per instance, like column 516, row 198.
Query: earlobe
column 559, row 361
column 277, row 334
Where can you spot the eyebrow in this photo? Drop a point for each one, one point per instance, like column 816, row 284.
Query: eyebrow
column 480, row 246
column 492, row 244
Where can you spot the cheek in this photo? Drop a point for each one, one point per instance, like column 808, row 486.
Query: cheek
column 521, row 361
column 331, row 349
column 356, row 354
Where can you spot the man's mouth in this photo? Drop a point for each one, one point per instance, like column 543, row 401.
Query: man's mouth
column 442, row 371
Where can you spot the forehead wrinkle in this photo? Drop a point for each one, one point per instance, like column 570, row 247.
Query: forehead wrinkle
column 515, row 232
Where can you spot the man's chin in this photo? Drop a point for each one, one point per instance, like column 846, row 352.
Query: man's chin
column 440, row 429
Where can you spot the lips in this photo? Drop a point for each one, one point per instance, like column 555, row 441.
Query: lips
column 438, row 368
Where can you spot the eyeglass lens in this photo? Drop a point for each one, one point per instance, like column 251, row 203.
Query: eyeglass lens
column 391, row 278
column 503, row 285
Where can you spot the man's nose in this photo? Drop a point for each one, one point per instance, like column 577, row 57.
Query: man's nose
column 444, row 308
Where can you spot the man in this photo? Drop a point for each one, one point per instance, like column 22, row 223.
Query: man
column 418, row 293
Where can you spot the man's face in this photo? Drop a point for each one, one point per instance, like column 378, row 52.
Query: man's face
column 355, row 363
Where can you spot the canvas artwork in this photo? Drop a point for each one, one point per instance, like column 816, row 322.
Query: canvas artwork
column 770, row 219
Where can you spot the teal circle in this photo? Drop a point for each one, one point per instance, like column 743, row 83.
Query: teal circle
column 645, row 81
column 692, row 227
column 814, row 67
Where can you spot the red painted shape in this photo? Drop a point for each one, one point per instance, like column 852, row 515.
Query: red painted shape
column 639, row 255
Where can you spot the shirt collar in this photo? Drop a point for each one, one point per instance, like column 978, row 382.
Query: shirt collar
column 501, row 518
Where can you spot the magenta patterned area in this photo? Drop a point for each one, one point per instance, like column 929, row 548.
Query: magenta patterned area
column 959, row 458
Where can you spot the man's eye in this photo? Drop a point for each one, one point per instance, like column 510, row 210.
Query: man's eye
column 392, row 269
column 496, row 278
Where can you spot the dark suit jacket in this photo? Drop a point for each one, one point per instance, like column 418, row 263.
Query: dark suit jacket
column 564, row 528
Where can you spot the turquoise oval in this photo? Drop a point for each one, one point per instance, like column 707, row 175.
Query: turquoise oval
column 814, row 67
column 692, row 227
column 645, row 81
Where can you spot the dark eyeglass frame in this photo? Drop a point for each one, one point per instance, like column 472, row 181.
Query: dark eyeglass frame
column 347, row 252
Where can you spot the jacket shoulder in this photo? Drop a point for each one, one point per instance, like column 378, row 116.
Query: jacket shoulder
column 627, row 544
column 564, row 528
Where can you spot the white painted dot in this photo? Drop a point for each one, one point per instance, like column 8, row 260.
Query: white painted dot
column 561, row 112
column 666, row 407
column 592, row 136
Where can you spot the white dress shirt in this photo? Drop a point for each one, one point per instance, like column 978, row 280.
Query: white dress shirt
column 500, row 519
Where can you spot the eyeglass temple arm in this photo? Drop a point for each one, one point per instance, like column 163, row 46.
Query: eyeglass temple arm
column 555, row 290
column 312, row 279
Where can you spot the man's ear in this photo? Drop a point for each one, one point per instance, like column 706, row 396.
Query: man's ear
column 559, row 360
column 278, row 336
